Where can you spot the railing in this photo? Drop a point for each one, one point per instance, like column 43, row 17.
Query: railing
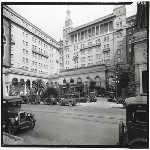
column 89, row 46
column 35, row 51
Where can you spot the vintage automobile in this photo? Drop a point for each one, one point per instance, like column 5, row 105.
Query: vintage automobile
column 134, row 134
column 111, row 97
column 69, row 99
column 121, row 99
column 51, row 101
column 33, row 99
column 14, row 117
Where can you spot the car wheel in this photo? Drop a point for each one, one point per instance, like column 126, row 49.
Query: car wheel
column 11, row 129
column 60, row 103
column 32, row 123
column 121, row 133
column 51, row 103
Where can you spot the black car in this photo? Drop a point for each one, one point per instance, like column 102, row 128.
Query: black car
column 14, row 117
column 133, row 133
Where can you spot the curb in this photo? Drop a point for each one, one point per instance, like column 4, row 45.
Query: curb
column 9, row 139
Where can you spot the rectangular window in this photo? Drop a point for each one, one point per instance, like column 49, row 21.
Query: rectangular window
column 23, row 51
column 110, row 26
column 26, row 52
column 75, row 38
column 102, row 29
column 85, row 34
column 12, row 56
column 118, row 59
column 79, row 37
column 93, row 32
column 27, row 35
column 26, row 60
column 23, row 43
column 26, row 44
column 82, row 35
column 118, row 52
column 89, row 32
column 97, row 30
column 106, row 27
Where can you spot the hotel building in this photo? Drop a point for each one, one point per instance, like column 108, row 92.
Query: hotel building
column 34, row 54
column 92, row 50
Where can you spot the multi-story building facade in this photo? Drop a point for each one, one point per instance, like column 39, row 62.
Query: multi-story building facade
column 140, row 46
column 34, row 54
column 129, row 32
column 92, row 50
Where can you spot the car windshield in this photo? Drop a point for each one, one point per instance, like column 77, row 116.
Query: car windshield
column 14, row 104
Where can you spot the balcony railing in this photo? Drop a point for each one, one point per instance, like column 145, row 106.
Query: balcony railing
column 106, row 49
column 35, row 51
column 89, row 46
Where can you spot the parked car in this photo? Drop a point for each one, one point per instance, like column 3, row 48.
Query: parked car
column 93, row 97
column 14, row 117
column 70, row 99
column 133, row 134
column 84, row 99
column 33, row 99
column 51, row 101
column 121, row 99
column 111, row 97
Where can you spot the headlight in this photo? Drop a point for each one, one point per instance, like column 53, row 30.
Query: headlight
column 28, row 114
column 16, row 118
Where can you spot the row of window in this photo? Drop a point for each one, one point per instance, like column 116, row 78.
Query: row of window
column 41, row 58
column 25, row 52
column 92, row 32
column 25, row 60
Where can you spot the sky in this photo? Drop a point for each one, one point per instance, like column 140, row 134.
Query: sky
column 51, row 18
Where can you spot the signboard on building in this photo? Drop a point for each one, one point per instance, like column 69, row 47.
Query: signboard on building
column 6, row 49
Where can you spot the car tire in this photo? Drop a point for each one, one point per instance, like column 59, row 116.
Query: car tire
column 51, row 103
column 32, row 123
column 11, row 129
column 121, row 133
column 60, row 103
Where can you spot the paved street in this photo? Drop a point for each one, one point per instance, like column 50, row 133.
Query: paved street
column 94, row 123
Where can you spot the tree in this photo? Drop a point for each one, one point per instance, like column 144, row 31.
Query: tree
column 126, row 78
column 50, row 91
column 38, row 86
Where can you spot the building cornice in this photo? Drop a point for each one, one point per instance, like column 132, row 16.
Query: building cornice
column 24, row 73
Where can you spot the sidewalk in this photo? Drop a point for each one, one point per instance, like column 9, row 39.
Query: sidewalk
column 102, row 102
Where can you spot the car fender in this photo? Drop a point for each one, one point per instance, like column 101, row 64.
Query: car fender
column 138, row 140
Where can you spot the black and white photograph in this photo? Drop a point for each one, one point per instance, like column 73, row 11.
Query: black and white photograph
column 74, row 74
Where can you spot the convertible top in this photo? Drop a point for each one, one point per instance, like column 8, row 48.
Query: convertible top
column 12, row 98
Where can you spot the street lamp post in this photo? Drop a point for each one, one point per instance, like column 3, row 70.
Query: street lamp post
column 116, row 85
column 86, row 89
